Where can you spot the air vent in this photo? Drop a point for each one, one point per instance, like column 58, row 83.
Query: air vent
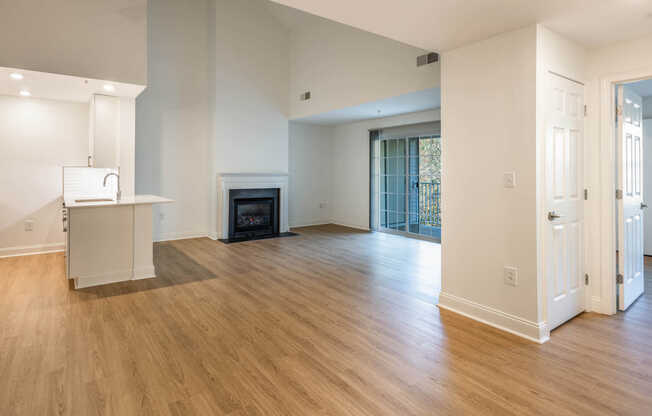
column 428, row 58
column 305, row 96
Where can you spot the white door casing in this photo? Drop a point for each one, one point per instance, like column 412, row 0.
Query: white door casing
column 630, row 203
column 564, row 234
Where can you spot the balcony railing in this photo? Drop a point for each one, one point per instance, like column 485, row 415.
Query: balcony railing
column 430, row 203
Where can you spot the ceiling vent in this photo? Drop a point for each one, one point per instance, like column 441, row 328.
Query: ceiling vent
column 428, row 58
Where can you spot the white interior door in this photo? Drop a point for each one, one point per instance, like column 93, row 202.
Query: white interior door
column 564, row 234
column 647, row 183
column 630, row 203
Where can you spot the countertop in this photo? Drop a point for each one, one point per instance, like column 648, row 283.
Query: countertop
column 126, row 200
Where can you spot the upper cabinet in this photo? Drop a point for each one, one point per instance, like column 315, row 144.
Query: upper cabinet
column 104, row 143
column 112, row 136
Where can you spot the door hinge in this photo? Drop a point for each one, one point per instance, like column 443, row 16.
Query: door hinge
column 619, row 194
column 619, row 110
column 586, row 279
column 586, row 194
column 619, row 279
column 586, row 110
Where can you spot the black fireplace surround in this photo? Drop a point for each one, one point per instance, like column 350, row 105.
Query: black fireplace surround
column 253, row 213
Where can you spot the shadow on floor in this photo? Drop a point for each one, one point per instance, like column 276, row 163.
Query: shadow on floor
column 173, row 267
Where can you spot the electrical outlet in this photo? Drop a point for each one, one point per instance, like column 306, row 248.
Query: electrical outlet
column 161, row 217
column 509, row 179
column 510, row 276
column 29, row 225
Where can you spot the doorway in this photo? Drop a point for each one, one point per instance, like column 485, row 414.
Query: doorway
column 405, row 194
column 633, row 177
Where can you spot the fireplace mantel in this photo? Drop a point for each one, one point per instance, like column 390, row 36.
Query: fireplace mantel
column 227, row 181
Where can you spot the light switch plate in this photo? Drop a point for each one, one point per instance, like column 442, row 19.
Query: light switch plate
column 29, row 225
column 509, row 179
column 510, row 276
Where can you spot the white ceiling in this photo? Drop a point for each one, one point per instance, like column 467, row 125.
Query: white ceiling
column 642, row 88
column 61, row 87
column 407, row 103
column 441, row 25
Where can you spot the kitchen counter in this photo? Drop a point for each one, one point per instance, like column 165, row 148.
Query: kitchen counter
column 110, row 241
column 127, row 200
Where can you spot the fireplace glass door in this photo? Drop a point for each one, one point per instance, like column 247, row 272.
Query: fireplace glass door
column 253, row 214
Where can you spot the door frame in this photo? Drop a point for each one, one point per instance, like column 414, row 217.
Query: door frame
column 406, row 233
column 608, row 165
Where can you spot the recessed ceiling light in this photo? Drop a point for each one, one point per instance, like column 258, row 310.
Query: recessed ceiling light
column 109, row 87
column 25, row 93
column 16, row 75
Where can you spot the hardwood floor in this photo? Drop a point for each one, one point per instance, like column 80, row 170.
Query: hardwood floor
column 331, row 322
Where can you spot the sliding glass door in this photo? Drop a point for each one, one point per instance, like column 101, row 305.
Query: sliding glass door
column 406, row 177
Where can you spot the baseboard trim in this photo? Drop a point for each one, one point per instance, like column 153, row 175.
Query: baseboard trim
column 31, row 250
column 180, row 236
column 103, row 279
column 310, row 223
column 357, row 227
column 596, row 305
column 536, row 332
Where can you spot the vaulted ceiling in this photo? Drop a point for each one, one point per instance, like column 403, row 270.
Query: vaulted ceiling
column 440, row 25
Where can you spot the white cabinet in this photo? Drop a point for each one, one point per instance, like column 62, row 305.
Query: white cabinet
column 112, row 133
column 104, row 143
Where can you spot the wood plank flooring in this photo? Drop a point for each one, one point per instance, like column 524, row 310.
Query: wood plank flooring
column 331, row 322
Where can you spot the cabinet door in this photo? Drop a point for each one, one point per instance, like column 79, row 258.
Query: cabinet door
column 105, row 129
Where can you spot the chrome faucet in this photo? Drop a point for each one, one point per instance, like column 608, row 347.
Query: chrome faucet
column 119, row 193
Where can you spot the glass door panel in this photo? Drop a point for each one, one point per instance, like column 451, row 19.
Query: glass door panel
column 406, row 177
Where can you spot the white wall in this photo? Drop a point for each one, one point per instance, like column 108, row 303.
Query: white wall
column 349, row 203
column 37, row 137
column 216, row 102
column 88, row 38
column 489, row 127
column 252, row 81
column 310, row 174
column 251, row 84
column 342, row 66
column 173, row 119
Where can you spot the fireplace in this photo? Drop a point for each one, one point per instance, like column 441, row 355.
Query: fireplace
column 253, row 213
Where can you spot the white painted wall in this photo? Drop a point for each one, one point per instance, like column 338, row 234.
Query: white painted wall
column 88, row 38
column 310, row 174
column 252, row 81
column 489, row 127
column 350, row 166
column 249, row 101
column 342, row 66
column 37, row 137
column 216, row 102
column 173, row 118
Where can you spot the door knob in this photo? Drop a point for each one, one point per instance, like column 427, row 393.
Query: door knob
column 552, row 216
column 643, row 205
